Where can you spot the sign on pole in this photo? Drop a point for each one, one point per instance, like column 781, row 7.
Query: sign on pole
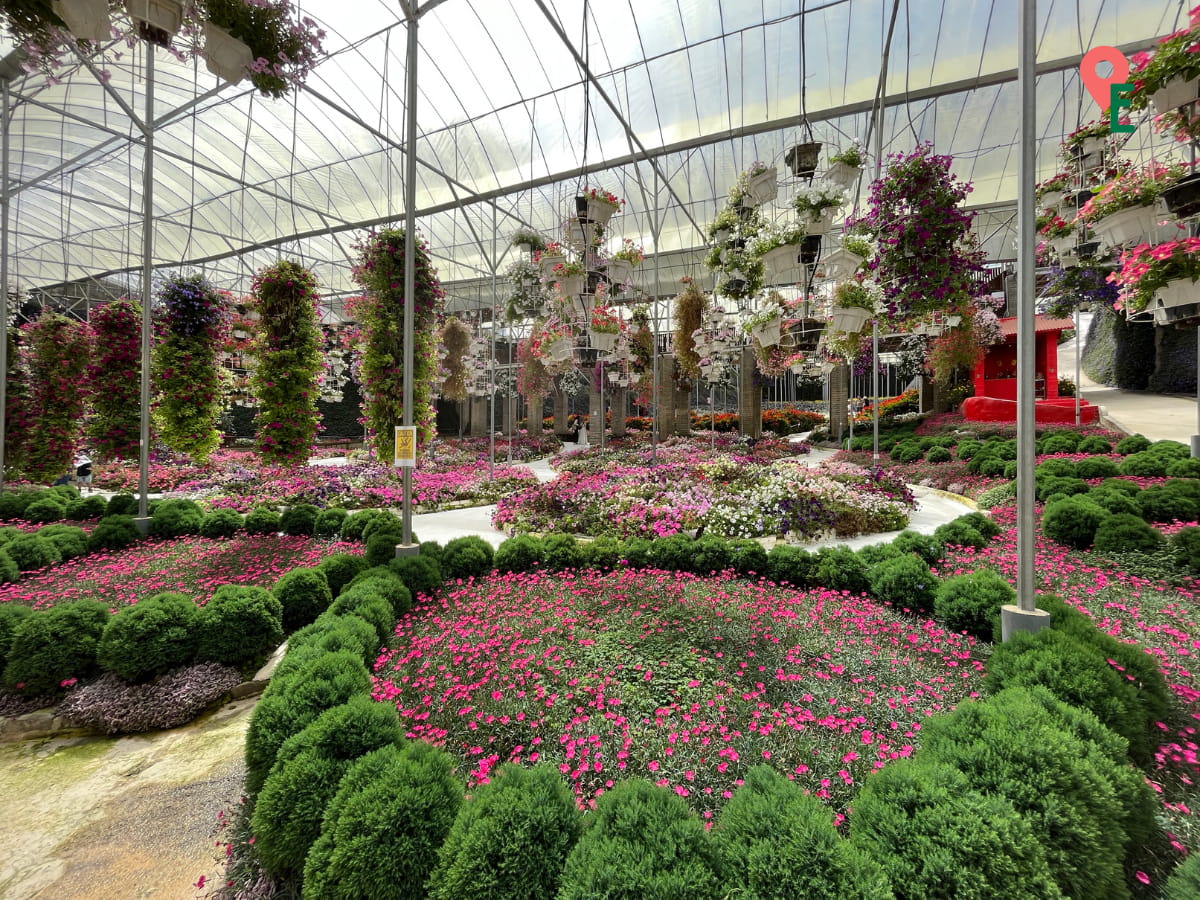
column 406, row 446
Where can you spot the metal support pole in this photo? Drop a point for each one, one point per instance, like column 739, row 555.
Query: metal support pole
column 1078, row 343
column 5, row 127
column 655, row 400
column 147, row 298
column 492, row 365
column 1025, row 616
column 875, row 391
column 410, row 253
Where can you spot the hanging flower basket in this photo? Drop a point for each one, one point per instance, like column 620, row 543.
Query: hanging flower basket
column 614, row 378
column 224, row 55
column 570, row 285
column 619, row 271
column 1125, row 225
column 767, row 334
column 595, row 211
column 1178, row 293
column 1175, row 94
column 88, row 20
column 558, row 350
column 782, row 263
column 802, row 159
column 164, row 14
column 763, row 187
column 1065, row 244
column 819, row 224
column 604, row 341
column 841, row 264
column 579, row 306
column 1183, row 197
column 849, row 319
column 842, row 175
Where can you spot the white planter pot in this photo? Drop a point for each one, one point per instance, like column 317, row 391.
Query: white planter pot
column 1179, row 293
column 579, row 306
column 599, row 212
column 619, row 271
column 782, row 264
column 841, row 264
column 797, row 369
column 602, row 341
column 768, row 333
column 224, row 55
column 570, row 285
column 818, row 224
column 848, row 319
column 1063, row 245
column 842, row 175
column 1123, row 226
column 722, row 235
column 164, row 14
column 560, row 350
column 1090, row 145
column 548, row 262
column 763, row 187
column 88, row 20
column 1175, row 94
column 1068, row 259
column 614, row 377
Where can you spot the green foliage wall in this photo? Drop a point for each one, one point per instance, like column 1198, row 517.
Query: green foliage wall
column 59, row 352
column 115, row 427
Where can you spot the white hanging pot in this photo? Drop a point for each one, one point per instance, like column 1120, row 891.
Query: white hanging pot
column 1123, row 226
column 1175, row 94
column 818, row 224
column 560, row 350
column 722, row 235
column 1063, row 245
column 841, row 264
column 763, row 187
column 842, row 175
column 619, row 271
column 848, row 319
column 602, row 340
column 782, row 264
column 594, row 211
column 767, row 334
column 549, row 260
column 570, row 285
column 1179, row 292
column 614, row 377
column 88, row 20
column 164, row 14
column 224, row 55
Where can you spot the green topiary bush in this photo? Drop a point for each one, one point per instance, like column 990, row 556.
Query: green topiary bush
column 387, row 584
column 113, row 533
column 641, row 841
column 304, row 779
column 747, row 557
column 939, row 455
column 69, row 540
column 636, row 553
column 331, row 633
column 787, row 564
column 300, row 519
column 1184, row 468
column 672, row 553
column 1184, row 883
column 989, row 466
column 354, row 525
column 840, row 569
column 11, row 616
column 1047, row 487
column 1171, row 450
column 262, row 520
column 381, row 547
column 47, row 508
column 8, row 571
column 53, row 646
column 304, row 595
column 1055, row 468
column 1187, row 544
column 1093, row 443
column 923, row 545
column 1116, row 502
column 510, row 840
column 561, row 552
column 239, row 627
column 340, row 569
column 936, row 836
column 1134, row 443
column 982, row 523
column 175, row 518
column 1124, row 531
column 518, row 554
column 1073, row 521
column 221, row 523
column 420, row 574
column 370, row 606
column 774, row 842
column 1166, row 503
column 1146, row 464
column 31, row 552
column 87, row 508
column 329, row 522
column 13, row 503
column 467, row 557
column 709, row 554
column 971, row 603
column 1096, row 467
column 1059, row 442
column 384, row 522
column 65, row 492
column 904, row 583
column 907, row 452
column 874, row 554
column 122, row 505
column 960, row 534
column 399, row 804
column 150, row 638
column 967, row 449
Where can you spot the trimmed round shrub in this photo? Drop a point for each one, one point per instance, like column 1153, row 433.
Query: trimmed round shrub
column 775, row 842
column 1048, row 487
column 1059, row 442
column 971, row 603
column 31, row 552
column 982, row 523
column 907, row 452
column 430, row 550
column 1075, row 673
column 1134, row 443
column 874, row 554
column 1184, row 883
column 602, row 554
column 384, row 522
column 383, row 829
column 387, row 584
column 510, row 840
column 1123, row 485
column 221, row 523
column 70, row 540
column 329, row 522
column 1116, row 502
column 66, row 492
column 1125, row 531
column 175, row 518
column 672, row 553
column 1073, row 521
column 1010, row 470
column 354, row 524
column 904, row 583
column 381, row 547
column 1187, row 544
column 1093, row 443
column 13, row 503
column 709, row 554
column 304, row 595
column 420, row 574
column 262, row 520
column 11, row 616
column 53, row 646
column 925, row 546
column 331, row 634
column 340, row 569
column 294, row 699
column 641, row 841
column 92, row 507
column 239, row 626
column 788, row 564
column 518, row 554
column 636, row 553
column 1010, row 746
column 1170, row 449
column 990, row 467
column 747, row 557
column 967, row 449
column 1164, row 503
column 368, row 605
column 113, row 533
column 467, row 557
column 47, row 508
column 1184, row 468
column 561, row 552
column 960, row 534
column 939, row 455
column 840, row 569
column 149, row 638
column 935, row 836
column 1096, row 467
column 299, row 519
column 1145, row 465
column 1055, row 468
column 304, row 779
column 122, row 505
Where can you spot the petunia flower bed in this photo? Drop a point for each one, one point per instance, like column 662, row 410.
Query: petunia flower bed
column 686, row 681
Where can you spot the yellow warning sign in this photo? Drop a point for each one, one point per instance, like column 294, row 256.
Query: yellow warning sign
column 406, row 446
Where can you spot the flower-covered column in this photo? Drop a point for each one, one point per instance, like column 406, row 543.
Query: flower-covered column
column 59, row 352
column 114, row 431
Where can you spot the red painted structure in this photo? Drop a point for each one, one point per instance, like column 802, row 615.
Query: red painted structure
column 996, row 378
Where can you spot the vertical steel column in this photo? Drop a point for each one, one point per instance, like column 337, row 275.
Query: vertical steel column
column 1078, row 344
column 492, row 364
column 147, row 299
column 654, row 396
column 410, row 253
column 5, row 128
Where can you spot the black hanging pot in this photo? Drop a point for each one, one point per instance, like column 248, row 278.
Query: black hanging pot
column 737, row 243
column 810, row 249
column 1183, row 197
column 735, row 286
column 581, row 208
column 802, row 159
column 1088, row 250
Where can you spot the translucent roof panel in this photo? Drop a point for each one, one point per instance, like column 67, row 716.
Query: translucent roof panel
column 520, row 103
